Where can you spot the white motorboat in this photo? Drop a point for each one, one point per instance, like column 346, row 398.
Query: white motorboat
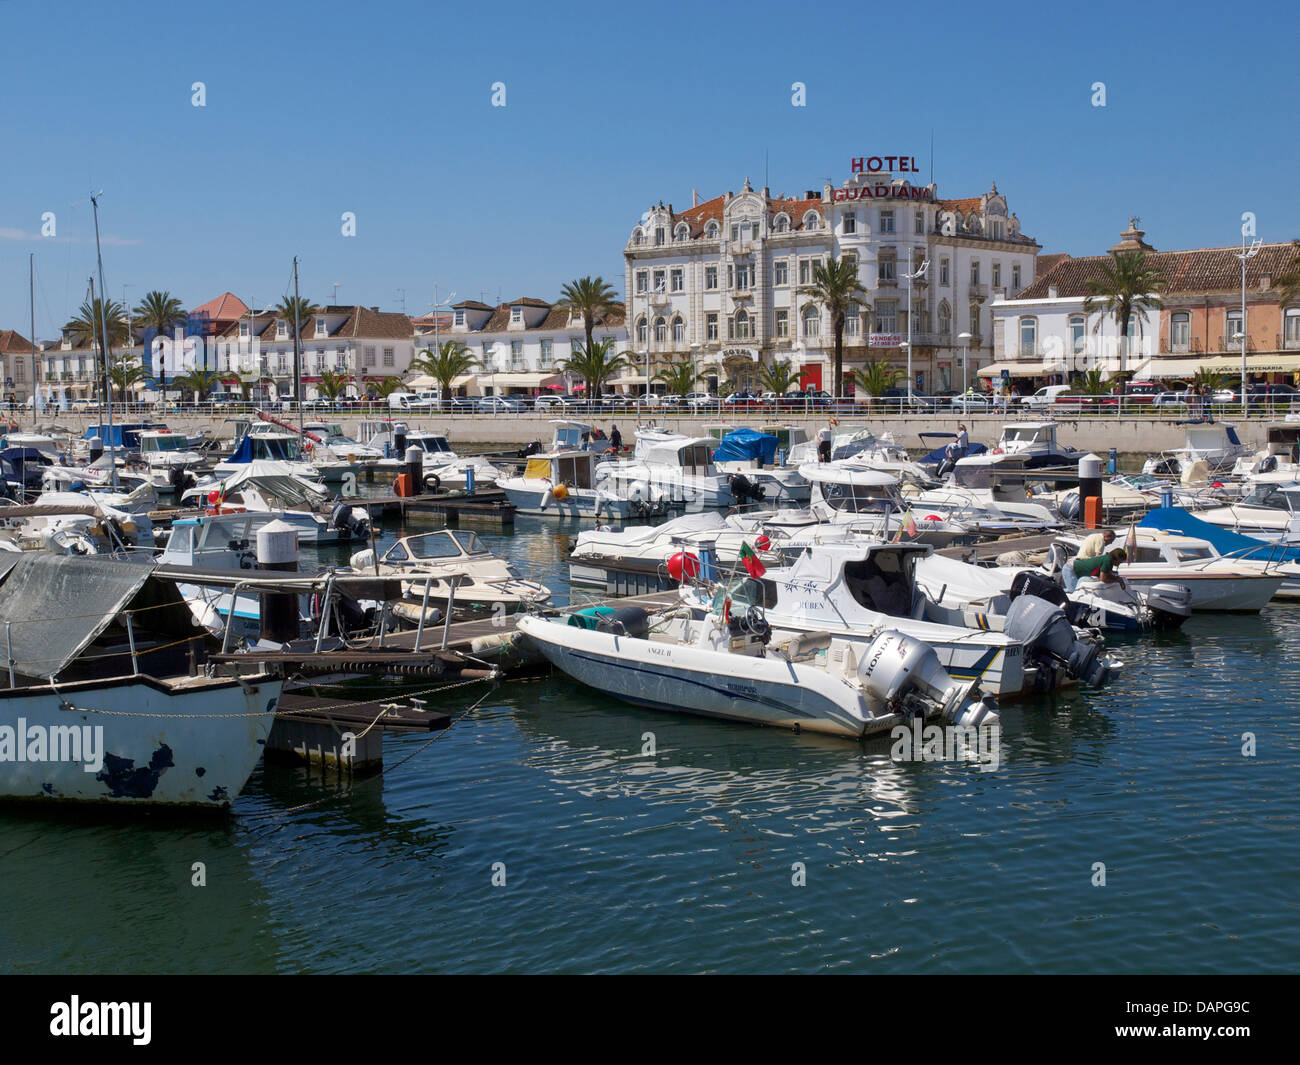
column 747, row 458
column 102, row 705
column 1214, row 443
column 858, row 589
column 737, row 669
column 277, row 489
column 679, row 468
column 443, row 467
column 168, row 459
column 1270, row 509
column 451, row 567
column 1022, row 448
column 564, row 484
column 858, row 444
column 263, row 443
column 1217, row 584
column 979, row 511
column 330, row 435
column 1280, row 454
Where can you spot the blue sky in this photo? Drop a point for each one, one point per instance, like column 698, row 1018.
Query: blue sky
column 384, row 109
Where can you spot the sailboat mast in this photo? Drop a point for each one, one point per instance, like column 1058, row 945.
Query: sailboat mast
column 103, row 315
column 297, row 356
column 31, row 298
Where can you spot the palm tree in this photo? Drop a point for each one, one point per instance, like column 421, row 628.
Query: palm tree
column 1124, row 292
column 84, row 329
column 679, row 378
column 126, row 372
column 305, row 310
column 332, row 385
column 875, row 378
column 451, row 360
column 1091, row 382
column 1286, row 285
column 385, row 387
column 596, row 364
column 777, row 378
column 835, row 287
column 590, row 297
column 162, row 312
column 200, row 382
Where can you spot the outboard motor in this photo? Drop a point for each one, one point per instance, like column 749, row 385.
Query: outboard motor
column 1050, row 641
column 906, row 676
column 181, row 480
column 633, row 621
column 1029, row 582
column 1170, row 604
column 1268, row 464
column 531, row 449
column 743, row 489
column 344, row 520
column 1069, row 507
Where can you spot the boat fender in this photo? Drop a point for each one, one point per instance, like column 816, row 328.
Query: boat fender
column 547, row 499
column 432, row 482
column 560, row 491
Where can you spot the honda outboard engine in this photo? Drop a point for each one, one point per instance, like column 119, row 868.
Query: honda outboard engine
column 343, row 519
column 744, row 490
column 1051, row 642
column 906, row 676
column 1170, row 604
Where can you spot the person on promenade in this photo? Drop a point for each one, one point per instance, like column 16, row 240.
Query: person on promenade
column 963, row 441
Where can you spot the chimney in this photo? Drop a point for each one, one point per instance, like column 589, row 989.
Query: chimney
column 695, row 197
column 375, row 309
column 1052, row 292
column 810, row 194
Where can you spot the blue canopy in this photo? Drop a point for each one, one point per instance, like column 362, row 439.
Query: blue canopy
column 244, row 452
column 742, row 445
column 125, row 435
column 938, row 454
column 1181, row 522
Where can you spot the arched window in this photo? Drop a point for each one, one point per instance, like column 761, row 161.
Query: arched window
column 711, row 231
column 945, row 320
column 637, row 236
column 682, row 232
column 661, row 330
column 679, row 329
column 1028, row 336
column 812, row 220
column 781, row 224
column 812, row 321
column 640, row 331
column 740, row 325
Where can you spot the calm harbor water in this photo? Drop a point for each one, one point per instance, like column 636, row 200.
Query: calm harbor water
column 683, row 861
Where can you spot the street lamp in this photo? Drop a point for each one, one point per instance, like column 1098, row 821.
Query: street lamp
column 906, row 345
column 965, row 339
column 1241, row 336
column 1246, row 253
column 916, row 274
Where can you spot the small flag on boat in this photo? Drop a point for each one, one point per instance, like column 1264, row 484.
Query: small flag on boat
column 908, row 526
column 1131, row 545
column 751, row 561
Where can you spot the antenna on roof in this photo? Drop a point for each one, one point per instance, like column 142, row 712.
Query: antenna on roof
column 931, row 155
column 766, row 182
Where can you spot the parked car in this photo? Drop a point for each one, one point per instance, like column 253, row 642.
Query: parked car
column 1169, row 399
column 500, row 405
column 552, row 402
column 973, row 403
column 695, row 400
column 806, row 397
column 898, row 398
column 741, row 401
column 464, row 404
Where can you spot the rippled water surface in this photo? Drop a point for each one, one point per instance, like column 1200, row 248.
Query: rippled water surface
column 684, row 861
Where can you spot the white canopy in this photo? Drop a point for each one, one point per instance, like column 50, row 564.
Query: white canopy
column 829, row 473
column 278, row 480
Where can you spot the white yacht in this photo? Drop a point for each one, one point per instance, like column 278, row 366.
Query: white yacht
column 564, row 484
column 1270, row 509
column 265, row 443
column 330, row 435
column 679, row 467
column 980, row 511
column 1022, row 447
column 167, row 457
column 1214, row 443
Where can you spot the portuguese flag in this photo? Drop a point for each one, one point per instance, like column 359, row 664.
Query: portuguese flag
column 751, row 562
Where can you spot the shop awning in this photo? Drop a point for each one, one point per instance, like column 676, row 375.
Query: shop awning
column 1164, row 368
column 422, row 381
column 522, row 380
column 1019, row 369
column 627, row 379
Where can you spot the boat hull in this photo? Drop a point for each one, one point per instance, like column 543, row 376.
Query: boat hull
column 160, row 744
column 1211, row 593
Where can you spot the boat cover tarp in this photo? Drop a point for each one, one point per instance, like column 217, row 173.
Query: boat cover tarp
column 741, row 445
column 54, row 606
column 277, row 480
column 938, row 454
column 1181, row 522
column 589, row 616
column 126, row 435
column 244, row 452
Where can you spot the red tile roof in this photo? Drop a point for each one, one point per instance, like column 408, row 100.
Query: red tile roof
column 965, row 206
column 223, row 308
column 12, row 342
column 1181, row 272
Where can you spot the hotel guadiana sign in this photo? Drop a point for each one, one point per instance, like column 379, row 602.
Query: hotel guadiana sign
column 881, row 190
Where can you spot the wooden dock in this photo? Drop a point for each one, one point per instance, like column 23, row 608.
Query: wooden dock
column 987, row 550
column 486, row 509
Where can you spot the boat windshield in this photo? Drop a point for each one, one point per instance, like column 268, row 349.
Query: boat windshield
column 470, row 543
column 859, row 498
column 171, row 442
column 276, row 448
column 1022, row 435
column 744, row 592
column 428, row 546
column 432, row 445
column 1268, row 495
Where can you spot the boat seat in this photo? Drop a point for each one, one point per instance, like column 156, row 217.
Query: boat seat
column 805, row 645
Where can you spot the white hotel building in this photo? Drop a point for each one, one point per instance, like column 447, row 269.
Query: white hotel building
column 717, row 282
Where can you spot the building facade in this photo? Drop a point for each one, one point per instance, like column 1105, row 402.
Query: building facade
column 1045, row 335
column 16, row 366
column 720, row 282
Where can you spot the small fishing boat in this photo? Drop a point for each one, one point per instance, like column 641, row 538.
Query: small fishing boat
column 736, row 668
column 104, row 702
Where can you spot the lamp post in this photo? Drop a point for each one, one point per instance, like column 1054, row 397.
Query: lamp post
column 919, row 272
column 435, row 306
column 1246, row 253
column 965, row 339
column 906, row 345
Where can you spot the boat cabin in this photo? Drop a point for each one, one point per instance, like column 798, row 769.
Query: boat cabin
column 444, row 545
column 690, row 455
column 853, row 490
column 573, row 468
column 268, row 447
column 216, row 541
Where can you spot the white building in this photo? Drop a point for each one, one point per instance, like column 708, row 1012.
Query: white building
column 718, row 282
column 521, row 346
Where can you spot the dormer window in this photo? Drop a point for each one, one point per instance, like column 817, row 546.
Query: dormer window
column 637, row 237
column 711, row 231
column 659, row 235
column 516, row 314
column 321, row 328
column 682, row 232
column 812, row 220
column 281, row 330
column 459, row 318
column 244, row 329
column 782, row 224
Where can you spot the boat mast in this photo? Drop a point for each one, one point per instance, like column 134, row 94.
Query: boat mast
column 297, row 358
column 103, row 315
column 31, row 297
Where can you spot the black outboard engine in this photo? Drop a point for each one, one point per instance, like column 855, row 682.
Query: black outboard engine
column 342, row 519
column 1050, row 642
column 633, row 621
column 743, row 489
column 1269, row 464
column 1027, row 582
column 531, row 449
column 181, row 480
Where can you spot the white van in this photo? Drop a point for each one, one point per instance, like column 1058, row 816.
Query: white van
column 412, row 401
column 1044, row 397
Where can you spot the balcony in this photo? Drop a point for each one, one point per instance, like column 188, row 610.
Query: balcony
column 740, row 248
column 1288, row 343
column 1228, row 344
column 977, row 291
column 660, row 299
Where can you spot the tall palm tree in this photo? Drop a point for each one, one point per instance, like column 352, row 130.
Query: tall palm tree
column 200, row 382
column 385, row 387
column 596, row 364
column 126, row 372
column 162, row 312
column 679, row 378
column 83, row 330
column 305, row 308
column 590, row 297
column 332, row 385
column 875, row 378
column 1286, row 286
column 836, row 288
column 778, row 378
column 451, row 360
column 1125, row 292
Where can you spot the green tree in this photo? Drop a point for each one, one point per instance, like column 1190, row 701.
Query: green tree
column 306, row 310
column 596, row 364
column 200, row 382
column 333, row 386
column 778, row 378
column 1125, row 292
column 875, row 378
column 162, row 312
column 85, row 327
column 1091, row 382
column 125, row 372
column 385, row 387
column 1286, row 286
column 679, row 378
column 589, row 297
column 836, row 288
column 451, row 360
